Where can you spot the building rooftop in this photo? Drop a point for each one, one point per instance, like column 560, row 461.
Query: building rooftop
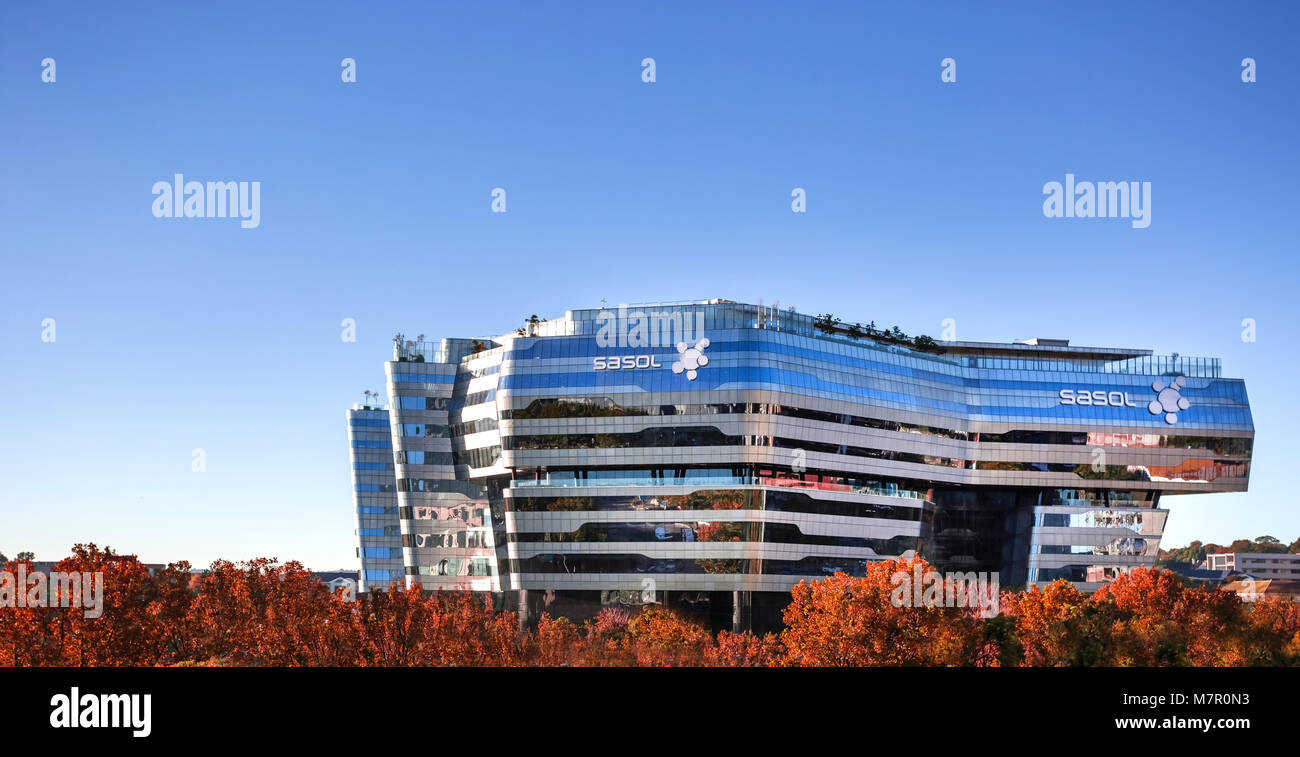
column 1035, row 354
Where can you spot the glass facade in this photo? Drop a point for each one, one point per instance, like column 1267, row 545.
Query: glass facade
column 374, row 497
column 717, row 452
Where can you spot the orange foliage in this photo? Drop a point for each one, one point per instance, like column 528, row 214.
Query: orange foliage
column 846, row 621
column 262, row 612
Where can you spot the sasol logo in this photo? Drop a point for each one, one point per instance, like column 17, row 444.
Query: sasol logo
column 625, row 363
column 1169, row 399
column 1103, row 399
column 693, row 358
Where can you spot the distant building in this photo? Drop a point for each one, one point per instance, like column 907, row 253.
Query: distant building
column 1198, row 573
column 1251, row 590
column 47, row 566
column 1257, row 564
column 340, row 579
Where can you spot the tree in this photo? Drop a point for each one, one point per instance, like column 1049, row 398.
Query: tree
column 28, row 556
column 1274, row 632
column 1192, row 553
column 844, row 621
column 743, row 650
column 1269, row 544
column 926, row 344
column 1146, row 631
column 1055, row 626
column 555, row 643
column 660, row 637
column 389, row 626
column 262, row 612
column 129, row 631
column 826, row 323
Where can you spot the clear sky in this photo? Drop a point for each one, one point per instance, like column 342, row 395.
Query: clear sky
column 924, row 202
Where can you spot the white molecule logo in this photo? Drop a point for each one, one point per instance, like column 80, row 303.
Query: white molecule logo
column 1168, row 400
column 692, row 358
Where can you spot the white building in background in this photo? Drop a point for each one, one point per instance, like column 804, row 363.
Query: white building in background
column 1257, row 564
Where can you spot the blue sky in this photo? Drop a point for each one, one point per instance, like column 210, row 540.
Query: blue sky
column 924, row 203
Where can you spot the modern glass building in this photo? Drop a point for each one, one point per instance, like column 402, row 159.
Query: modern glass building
column 374, row 494
column 710, row 455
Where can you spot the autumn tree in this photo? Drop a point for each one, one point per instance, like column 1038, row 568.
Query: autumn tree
column 847, row 621
column 660, row 637
column 743, row 650
column 463, row 629
column 390, row 626
column 25, row 638
column 1056, row 626
column 127, row 632
column 556, row 642
column 1273, row 632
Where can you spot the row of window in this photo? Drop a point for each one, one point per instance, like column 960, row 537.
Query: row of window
column 406, row 402
column 633, row 563
column 381, row 553
column 472, row 539
column 605, row 407
column 472, row 513
column 1132, row 521
column 711, row 436
column 797, row 378
column 1116, row 547
column 718, row 531
column 385, row 531
column 790, row 328
column 438, row 485
column 767, row 349
column 426, row 430
column 731, row 475
column 423, row 457
column 423, row 378
column 1078, row 573
column 720, row 499
column 483, row 457
column 473, row 427
column 455, row 566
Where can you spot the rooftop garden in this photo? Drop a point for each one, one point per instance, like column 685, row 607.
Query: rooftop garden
column 832, row 326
